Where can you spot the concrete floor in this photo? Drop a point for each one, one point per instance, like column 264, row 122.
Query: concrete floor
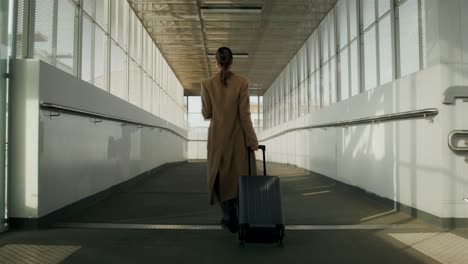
column 177, row 195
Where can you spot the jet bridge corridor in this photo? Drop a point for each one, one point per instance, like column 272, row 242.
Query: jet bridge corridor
column 362, row 106
column 164, row 216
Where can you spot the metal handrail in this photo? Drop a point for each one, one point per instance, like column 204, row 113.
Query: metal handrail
column 450, row 140
column 429, row 112
column 56, row 107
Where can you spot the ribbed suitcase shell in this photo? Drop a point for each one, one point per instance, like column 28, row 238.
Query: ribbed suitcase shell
column 260, row 207
column 260, row 201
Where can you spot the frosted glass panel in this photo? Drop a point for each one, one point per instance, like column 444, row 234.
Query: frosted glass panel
column 409, row 37
column 318, row 89
column 43, row 35
column 312, row 96
column 66, row 21
column 343, row 23
column 294, row 103
column 146, row 96
column 385, row 50
column 100, row 59
column 119, row 21
column 102, row 13
column 326, row 85
column 87, row 50
column 370, row 59
column 310, row 56
column 344, row 74
column 134, row 36
column 118, row 85
column 383, row 7
column 123, row 23
column 317, row 51
column 287, row 107
column 354, row 67
column 353, row 19
column 325, row 42
column 139, row 43
column 135, row 84
column 303, row 98
column 331, row 33
column 114, row 18
column 368, row 12
column 333, row 88
column 89, row 6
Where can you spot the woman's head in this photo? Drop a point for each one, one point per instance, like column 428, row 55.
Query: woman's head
column 224, row 62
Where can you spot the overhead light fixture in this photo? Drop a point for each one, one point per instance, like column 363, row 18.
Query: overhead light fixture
column 232, row 9
column 234, row 56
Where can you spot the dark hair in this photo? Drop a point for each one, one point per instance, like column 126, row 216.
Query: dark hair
column 224, row 58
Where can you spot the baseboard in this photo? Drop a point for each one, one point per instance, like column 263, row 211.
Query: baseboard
column 71, row 209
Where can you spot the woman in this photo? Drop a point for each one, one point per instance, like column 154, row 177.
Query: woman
column 225, row 100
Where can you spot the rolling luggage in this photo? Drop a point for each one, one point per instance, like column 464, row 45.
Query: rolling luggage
column 260, row 209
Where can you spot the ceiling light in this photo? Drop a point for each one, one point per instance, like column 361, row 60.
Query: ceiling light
column 233, row 9
column 234, row 55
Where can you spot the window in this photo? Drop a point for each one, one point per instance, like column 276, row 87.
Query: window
column 195, row 117
column 119, row 21
column 87, row 71
column 370, row 59
column 44, row 35
column 118, row 82
column 377, row 43
column 315, row 73
column 135, row 83
column 147, row 87
column 116, row 53
column 366, row 57
column 409, row 37
column 66, row 35
column 327, row 31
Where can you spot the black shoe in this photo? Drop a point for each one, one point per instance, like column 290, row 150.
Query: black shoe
column 232, row 227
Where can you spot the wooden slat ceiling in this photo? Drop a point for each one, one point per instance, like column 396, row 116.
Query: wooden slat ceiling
column 186, row 35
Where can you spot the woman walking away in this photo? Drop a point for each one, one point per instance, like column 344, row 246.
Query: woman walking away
column 225, row 100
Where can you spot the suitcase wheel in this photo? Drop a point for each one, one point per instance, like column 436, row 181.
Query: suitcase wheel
column 280, row 235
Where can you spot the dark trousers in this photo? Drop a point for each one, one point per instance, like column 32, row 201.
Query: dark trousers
column 229, row 209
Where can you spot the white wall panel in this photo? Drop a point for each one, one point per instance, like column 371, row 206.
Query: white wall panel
column 73, row 152
column 407, row 160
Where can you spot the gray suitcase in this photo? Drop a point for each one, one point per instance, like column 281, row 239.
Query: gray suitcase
column 260, row 209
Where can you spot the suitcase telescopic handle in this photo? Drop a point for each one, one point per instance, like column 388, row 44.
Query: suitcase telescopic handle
column 263, row 148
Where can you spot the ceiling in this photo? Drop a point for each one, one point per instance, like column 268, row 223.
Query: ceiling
column 270, row 32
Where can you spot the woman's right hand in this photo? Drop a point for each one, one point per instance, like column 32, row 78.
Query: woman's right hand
column 254, row 147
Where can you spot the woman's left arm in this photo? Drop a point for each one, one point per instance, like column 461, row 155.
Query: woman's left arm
column 206, row 102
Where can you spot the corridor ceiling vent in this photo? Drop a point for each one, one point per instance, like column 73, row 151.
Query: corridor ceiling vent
column 263, row 34
column 231, row 8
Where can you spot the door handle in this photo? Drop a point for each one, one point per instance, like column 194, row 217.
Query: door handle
column 451, row 144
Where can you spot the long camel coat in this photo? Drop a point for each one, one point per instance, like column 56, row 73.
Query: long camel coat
column 230, row 133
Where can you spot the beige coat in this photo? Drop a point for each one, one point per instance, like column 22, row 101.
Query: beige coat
column 230, row 133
